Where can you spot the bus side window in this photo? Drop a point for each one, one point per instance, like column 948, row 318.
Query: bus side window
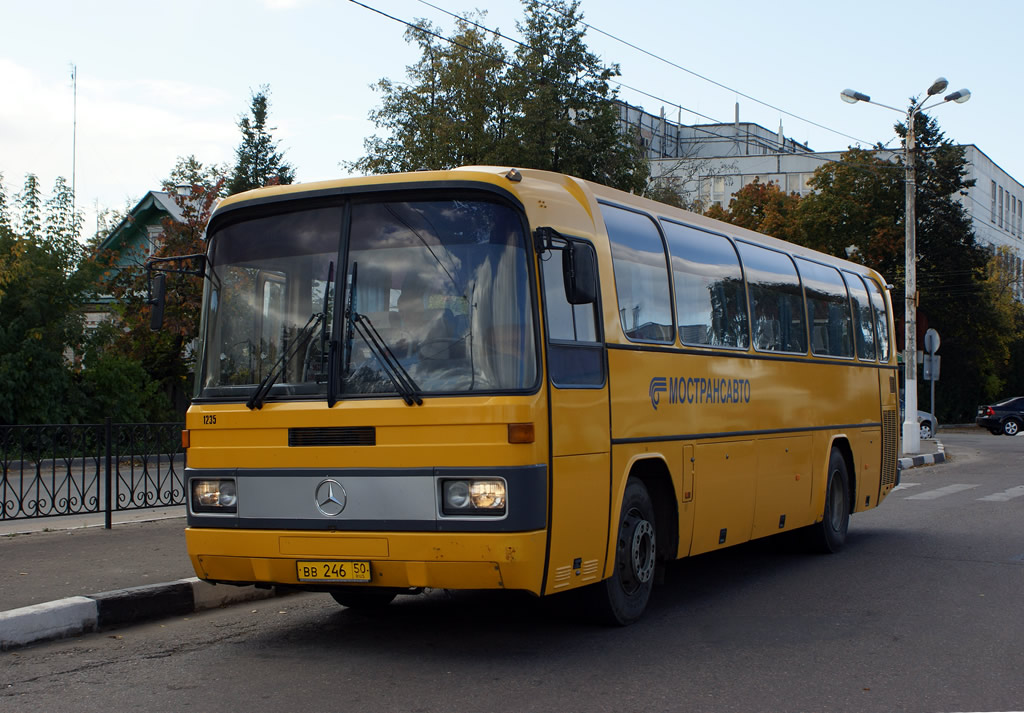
column 776, row 300
column 828, row 310
column 711, row 305
column 575, row 352
column 881, row 319
column 641, row 275
column 863, row 321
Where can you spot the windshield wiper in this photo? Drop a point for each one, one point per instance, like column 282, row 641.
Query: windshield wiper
column 398, row 374
column 361, row 324
column 260, row 394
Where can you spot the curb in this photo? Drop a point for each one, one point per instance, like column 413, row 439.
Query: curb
column 929, row 459
column 77, row 615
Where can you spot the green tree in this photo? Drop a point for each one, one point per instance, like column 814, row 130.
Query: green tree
column 453, row 109
column 44, row 283
column 856, row 210
column 258, row 162
column 190, row 171
column 564, row 114
column 467, row 102
column 952, row 272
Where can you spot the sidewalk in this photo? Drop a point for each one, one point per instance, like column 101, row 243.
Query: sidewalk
column 64, row 576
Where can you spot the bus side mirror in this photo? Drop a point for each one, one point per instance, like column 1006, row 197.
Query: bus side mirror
column 157, row 292
column 579, row 272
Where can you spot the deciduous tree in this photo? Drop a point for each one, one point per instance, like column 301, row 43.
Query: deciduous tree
column 466, row 101
column 453, row 110
column 43, row 286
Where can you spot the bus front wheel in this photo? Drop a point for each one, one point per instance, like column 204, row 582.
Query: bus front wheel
column 621, row 599
column 829, row 535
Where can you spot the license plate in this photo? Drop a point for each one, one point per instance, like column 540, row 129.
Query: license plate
column 333, row 571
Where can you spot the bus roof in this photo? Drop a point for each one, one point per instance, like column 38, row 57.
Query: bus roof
column 518, row 182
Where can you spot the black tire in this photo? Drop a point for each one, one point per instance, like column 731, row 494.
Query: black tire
column 621, row 599
column 364, row 597
column 1011, row 427
column 926, row 429
column 829, row 535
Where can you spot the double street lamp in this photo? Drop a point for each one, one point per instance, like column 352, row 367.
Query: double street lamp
column 911, row 429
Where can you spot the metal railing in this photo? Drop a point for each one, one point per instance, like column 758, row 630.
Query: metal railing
column 54, row 470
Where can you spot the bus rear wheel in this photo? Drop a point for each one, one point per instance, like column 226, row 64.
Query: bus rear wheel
column 621, row 599
column 829, row 535
column 364, row 597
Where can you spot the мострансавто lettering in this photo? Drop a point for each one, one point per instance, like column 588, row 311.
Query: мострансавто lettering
column 699, row 390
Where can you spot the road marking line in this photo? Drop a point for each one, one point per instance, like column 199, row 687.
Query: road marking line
column 940, row 492
column 904, row 486
column 1002, row 497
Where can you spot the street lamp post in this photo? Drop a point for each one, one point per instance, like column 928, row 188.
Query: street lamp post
column 911, row 430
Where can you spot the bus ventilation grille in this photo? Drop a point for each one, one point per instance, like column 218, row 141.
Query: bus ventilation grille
column 354, row 436
column 890, row 443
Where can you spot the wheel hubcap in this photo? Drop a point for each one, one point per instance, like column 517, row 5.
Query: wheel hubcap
column 642, row 551
column 636, row 552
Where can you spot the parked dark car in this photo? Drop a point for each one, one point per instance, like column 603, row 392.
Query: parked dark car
column 1006, row 417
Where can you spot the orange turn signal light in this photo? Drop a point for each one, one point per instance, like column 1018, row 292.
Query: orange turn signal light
column 520, row 433
column 186, row 440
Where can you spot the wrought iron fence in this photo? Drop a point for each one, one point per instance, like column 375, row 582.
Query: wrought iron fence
column 54, row 470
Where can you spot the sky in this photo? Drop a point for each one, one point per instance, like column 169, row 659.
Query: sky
column 159, row 80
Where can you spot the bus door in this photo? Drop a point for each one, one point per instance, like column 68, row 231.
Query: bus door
column 579, row 418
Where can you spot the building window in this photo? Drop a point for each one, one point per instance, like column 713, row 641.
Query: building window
column 1000, row 206
column 993, row 201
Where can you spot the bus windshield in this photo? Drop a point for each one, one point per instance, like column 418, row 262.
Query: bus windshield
column 434, row 294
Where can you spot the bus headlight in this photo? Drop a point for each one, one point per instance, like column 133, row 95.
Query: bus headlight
column 214, row 496
column 473, row 497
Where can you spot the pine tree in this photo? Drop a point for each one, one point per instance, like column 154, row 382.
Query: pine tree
column 258, row 162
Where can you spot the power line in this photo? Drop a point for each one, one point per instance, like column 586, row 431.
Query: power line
column 873, row 170
column 700, row 76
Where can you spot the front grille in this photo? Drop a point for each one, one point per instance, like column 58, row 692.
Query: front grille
column 890, row 443
column 349, row 436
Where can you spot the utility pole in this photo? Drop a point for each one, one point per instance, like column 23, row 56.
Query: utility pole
column 74, row 127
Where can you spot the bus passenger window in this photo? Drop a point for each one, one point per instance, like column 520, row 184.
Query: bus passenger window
column 863, row 322
column 828, row 310
column 711, row 304
column 776, row 300
column 881, row 319
column 641, row 275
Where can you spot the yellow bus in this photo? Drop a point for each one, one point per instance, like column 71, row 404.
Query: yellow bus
column 491, row 378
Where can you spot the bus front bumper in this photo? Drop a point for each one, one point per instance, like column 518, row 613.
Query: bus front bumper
column 396, row 559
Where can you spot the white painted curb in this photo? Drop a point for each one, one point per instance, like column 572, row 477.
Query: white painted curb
column 50, row 620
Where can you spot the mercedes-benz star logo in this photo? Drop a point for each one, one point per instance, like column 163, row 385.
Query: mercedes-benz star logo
column 330, row 497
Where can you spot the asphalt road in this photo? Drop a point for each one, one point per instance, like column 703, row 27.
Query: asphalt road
column 921, row 612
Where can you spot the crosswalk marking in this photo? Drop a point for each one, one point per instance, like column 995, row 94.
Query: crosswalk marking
column 904, row 486
column 1002, row 497
column 938, row 493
